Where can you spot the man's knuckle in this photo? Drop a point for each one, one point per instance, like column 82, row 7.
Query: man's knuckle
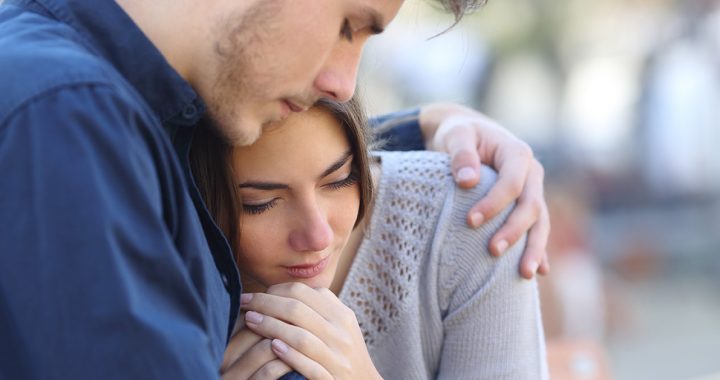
column 515, row 188
column 525, row 150
column 539, row 168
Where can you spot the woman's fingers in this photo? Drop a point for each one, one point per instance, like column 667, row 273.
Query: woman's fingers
column 299, row 338
column 300, row 362
column 317, row 333
column 251, row 361
column 272, row 370
column 300, row 305
column 321, row 300
column 241, row 342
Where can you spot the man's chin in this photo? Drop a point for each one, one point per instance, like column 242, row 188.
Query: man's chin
column 242, row 135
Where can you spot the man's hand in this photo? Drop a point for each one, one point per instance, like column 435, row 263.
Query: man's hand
column 312, row 331
column 472, row 138
column 249, row 356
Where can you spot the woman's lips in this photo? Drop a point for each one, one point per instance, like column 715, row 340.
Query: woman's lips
column 308, row 271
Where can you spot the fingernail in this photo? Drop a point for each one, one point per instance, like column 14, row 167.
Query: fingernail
column 279, row 346
column 502, row 246
column 465, row 174
column 476, row 219
column 245, row 298
column 253, row 317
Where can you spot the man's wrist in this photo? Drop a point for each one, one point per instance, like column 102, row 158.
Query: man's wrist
column 432, row 115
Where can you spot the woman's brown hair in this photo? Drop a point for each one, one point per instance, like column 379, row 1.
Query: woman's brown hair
column 210, row 162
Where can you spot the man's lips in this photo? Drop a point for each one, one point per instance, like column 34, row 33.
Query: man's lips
column 308, row 270
column 294, row 107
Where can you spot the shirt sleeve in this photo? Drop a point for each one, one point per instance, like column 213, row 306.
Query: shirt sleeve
column 91, row 283
column 399, row 131
column 491, row 316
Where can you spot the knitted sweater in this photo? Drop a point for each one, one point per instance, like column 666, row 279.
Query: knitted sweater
column 430, row 299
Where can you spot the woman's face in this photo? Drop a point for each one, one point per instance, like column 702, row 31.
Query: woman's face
column 300, row 198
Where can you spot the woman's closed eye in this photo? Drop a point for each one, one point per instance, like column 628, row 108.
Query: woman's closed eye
column 348, row 181
column 258, row 208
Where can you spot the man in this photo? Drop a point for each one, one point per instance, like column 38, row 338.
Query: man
column 110, row 263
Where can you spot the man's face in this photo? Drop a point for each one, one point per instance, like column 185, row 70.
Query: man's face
column 274, row 57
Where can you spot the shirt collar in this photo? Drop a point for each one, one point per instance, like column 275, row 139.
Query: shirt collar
column 112, row 34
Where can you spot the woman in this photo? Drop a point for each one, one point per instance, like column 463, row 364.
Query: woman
column 348, row 288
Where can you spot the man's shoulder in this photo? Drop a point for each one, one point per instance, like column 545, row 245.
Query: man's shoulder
column 41, row 55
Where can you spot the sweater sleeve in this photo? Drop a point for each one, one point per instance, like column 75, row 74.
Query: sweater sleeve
column 491, row 316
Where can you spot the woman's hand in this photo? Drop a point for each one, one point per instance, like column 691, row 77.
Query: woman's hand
column 311, row 330
column 249, row 356
column 472, row 138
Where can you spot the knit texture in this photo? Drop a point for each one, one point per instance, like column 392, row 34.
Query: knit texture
column 430, row 299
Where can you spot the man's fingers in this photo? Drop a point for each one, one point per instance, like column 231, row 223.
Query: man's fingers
column 530, row 208
column 535, row 257
column 464, row 160
column 272, row 370
column 530, row 214
column 545, row 266
column 509, row 186
column 297, row 360
column 523, row 216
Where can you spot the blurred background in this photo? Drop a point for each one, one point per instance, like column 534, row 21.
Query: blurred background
column 620, row 99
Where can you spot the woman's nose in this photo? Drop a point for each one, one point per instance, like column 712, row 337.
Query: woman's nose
column 313, row 234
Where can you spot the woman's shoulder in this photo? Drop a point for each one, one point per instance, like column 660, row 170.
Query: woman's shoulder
column 457, row 254
column 418, row 168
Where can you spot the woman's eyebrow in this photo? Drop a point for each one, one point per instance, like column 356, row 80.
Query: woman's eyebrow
column 281, row 186
column 336, row 165
column 263, row 185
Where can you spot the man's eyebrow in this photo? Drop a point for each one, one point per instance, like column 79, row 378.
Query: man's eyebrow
column 336, row 165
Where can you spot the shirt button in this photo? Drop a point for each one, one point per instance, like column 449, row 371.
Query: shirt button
column 189, row 112
column 224, row 280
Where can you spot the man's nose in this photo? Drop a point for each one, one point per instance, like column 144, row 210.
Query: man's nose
column 337, row 79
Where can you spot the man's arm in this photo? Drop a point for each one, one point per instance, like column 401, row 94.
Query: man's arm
column 91, row 283
column 471, row 139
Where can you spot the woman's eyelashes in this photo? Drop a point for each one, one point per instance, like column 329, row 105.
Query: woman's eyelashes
column 255, row 209
column 350, row 180
column 259, row 208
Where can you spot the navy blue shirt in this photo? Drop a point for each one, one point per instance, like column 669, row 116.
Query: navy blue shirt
column 110, row 265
